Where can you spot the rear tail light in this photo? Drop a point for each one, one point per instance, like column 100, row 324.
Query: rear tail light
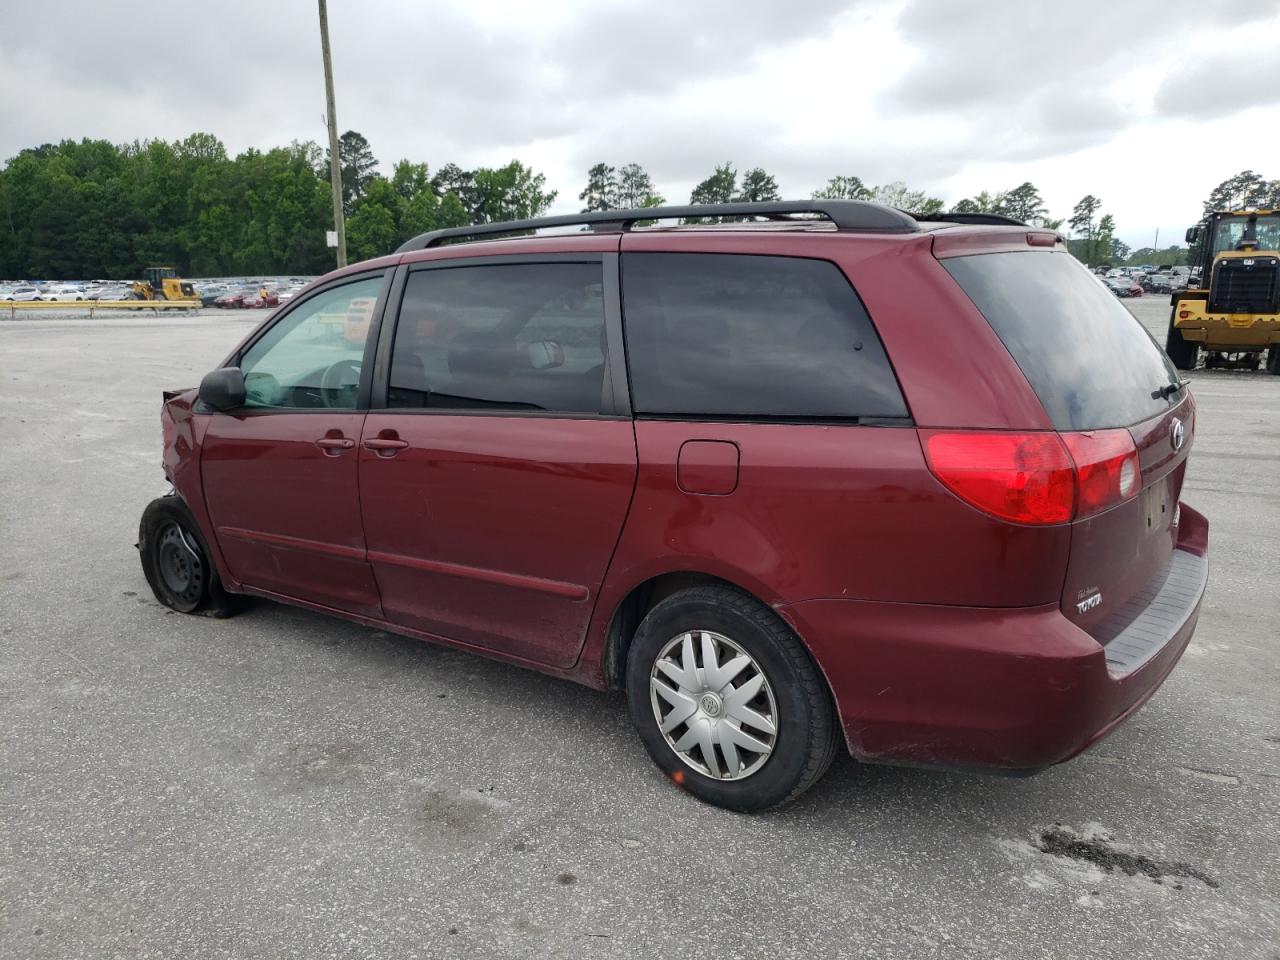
column 1035, row 478
column 1106, row 469
column 1021, row 477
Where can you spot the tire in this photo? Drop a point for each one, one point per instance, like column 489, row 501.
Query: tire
column 1181, row 351
column 805, row 731
column 175, row 560
column 1273, row 359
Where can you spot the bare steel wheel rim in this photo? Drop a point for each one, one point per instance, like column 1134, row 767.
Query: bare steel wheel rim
column 714, row 705
column 180, row 564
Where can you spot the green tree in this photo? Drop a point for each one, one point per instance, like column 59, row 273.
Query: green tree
column 843, row 188
column 758, row 186
column 452, row 179
column 602, row 190
column 358, row 167
column 901, row 197
column 982, row 203
column 1024, row 203
column 720, row 187
column 373, row 229
column 512, row 192
column 1245, row 189
column 92, row 209
column 1173, row 256
column 1082, row 224
column 1102, row 247
column 636, row 189
column 409, row 179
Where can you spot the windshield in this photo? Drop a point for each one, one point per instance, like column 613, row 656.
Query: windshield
column 1229, row 231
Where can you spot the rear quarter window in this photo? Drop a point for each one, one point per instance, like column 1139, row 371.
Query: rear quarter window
column 1089, row 360
column 731, row 335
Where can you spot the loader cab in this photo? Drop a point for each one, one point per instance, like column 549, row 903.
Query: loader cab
column 1231, row 313
column 162, row 283
column 1237, row 232
column 155, row 277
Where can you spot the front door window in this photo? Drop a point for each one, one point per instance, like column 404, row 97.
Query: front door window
column 312, row 357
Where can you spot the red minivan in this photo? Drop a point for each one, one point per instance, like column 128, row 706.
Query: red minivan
column 833, row 473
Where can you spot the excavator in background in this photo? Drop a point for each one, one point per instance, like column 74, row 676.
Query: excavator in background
column 1233, row 313
column 162, row 283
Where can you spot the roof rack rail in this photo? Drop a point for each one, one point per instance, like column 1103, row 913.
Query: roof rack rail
column 974, row 218
column 845, row 214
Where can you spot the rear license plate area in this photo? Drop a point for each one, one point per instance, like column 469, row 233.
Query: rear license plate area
column 1158, row 506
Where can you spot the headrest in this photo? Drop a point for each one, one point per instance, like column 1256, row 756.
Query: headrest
column 485, row 353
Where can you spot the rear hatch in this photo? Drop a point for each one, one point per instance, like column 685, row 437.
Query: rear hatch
column 1105, row 384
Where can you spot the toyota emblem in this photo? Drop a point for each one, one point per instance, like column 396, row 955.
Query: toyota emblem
column 1177, row 434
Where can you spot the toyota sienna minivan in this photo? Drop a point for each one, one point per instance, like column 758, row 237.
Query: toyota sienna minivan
column 830, row 476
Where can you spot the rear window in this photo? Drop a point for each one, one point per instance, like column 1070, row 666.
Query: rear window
column 751, row 337
column 1089, row 360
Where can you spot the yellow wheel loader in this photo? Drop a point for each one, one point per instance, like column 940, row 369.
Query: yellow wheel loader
column 1233, row 313
column 162, row 283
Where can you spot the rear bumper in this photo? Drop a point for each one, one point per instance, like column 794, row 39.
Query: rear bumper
column 1018, row 689
column 1239, row 330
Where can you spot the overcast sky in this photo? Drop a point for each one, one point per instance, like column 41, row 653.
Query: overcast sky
column 1147, row 104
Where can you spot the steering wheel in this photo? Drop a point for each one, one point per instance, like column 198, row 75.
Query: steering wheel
column 337, row 378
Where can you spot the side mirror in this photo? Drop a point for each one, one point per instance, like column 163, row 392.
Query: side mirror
column 545, row 354
column 1193, row 234
column 223, row 389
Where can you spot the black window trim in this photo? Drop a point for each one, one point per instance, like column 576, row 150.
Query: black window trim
column 855, row 421
column 366, row 363
column 850, row 421
column 615, row 403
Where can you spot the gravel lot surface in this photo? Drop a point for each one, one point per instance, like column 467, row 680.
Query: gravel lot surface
column 287, row 785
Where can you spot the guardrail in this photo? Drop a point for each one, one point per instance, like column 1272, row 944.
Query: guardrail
column 92, row 305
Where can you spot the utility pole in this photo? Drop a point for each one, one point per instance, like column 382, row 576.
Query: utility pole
column 335, row 161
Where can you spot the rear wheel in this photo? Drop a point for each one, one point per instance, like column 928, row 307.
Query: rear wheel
column 727, row 701
column 1181, row 351
column 175, row 560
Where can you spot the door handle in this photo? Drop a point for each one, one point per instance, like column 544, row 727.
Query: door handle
column 335, row 443
column 385, row 446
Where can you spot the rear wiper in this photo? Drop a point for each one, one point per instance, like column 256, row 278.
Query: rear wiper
column 1162, row 393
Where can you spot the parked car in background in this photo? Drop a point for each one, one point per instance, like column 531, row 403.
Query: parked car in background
column 23, row 294
column 234, row 299
column 712, row 519
column 1120, row 286
column 260, row 297
column 287, row 293
column 209, row 293
column 63, row 293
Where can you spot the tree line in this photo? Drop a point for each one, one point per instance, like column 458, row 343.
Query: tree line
column 93, row 209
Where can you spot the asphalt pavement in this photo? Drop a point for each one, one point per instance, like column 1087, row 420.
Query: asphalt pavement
column 284, row 785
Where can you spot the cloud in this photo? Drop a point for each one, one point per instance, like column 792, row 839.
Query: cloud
column 952, row 96
column 1228, row 81
column 1043, row 79
column 648, row 48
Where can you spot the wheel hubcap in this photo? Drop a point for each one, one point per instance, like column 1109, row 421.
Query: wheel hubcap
column 180, row 564
column 714, row 705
